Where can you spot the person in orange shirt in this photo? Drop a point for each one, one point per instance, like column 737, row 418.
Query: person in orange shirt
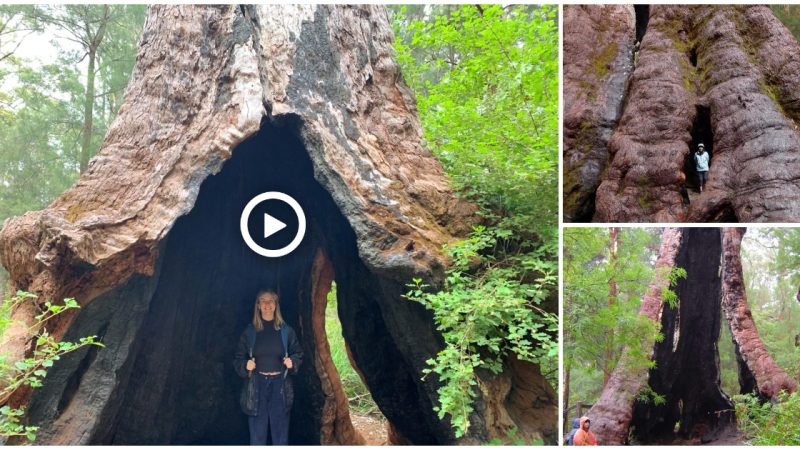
column 583, row 436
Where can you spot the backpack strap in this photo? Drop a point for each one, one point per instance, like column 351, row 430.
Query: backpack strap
column 285, row 341
column 250, row 332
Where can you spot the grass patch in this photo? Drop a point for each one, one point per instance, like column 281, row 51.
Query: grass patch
column 768, row 423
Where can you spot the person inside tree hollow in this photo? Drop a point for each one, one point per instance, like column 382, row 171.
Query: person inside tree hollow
column 268, row 351
column 701, row 164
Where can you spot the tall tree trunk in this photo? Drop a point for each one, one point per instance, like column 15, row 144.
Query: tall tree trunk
column 302, row 99
column 770, row 379
column 686, row 368
column 88, row 101
column 680, row 94
column 608, row 363
column 612, row 414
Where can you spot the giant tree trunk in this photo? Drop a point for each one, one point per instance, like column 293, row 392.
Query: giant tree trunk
column 224, row 103
column 722, row 75
column 686, row 361
column 594, row 86
column 755, row 363
column 612, row 414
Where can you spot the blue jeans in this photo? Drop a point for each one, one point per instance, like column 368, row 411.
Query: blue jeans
column 272, row 412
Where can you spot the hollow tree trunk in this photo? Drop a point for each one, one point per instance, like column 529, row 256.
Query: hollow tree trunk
column 594, row 87
column 722, row 75
column 755, row 362
column 686, row 368
column 612, row 414
column 226, row 102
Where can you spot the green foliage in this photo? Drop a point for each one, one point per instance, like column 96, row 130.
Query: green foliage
column 488, row 310
column 357, row 393
column 598, row 324
column 767, row 423
column 31, row 370
column 486, row 80
column 669, row 296
column 648, row 395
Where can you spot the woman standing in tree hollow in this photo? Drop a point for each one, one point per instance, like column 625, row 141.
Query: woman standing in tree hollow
column 268, row 350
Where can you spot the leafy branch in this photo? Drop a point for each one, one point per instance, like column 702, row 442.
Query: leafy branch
column 485, row 315
column 30, row 371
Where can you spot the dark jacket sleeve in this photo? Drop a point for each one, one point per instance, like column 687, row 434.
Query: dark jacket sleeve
column 295, row 351
column 241, row 356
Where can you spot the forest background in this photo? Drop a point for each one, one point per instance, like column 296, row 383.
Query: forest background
column 606, row 274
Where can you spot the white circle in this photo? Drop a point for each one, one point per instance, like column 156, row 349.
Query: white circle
column 301, row 225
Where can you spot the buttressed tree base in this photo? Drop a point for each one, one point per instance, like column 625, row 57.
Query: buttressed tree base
column 226, row 102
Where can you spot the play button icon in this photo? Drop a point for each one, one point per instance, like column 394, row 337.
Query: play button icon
column 271, row 225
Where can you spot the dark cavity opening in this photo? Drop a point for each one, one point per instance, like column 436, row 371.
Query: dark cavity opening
column 166, row 373
column 365, row 416
column 693, row 56
column 688, row 374
column 642, row 18
column 701, row 133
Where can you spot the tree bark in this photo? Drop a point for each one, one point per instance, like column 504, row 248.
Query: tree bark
column 612, row 414
column 595, row 80
column 681, row 93
column 686, row 368
column 755, row 362
column 226, row 102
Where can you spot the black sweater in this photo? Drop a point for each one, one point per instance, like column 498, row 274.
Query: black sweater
column 268, row 350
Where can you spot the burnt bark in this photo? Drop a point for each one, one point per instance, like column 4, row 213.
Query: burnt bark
column 226, row 102
column 687, row 360
column 612, row 414
column 758, row 372
column 732, row 66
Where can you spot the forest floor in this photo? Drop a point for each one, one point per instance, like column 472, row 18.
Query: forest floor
column 728, row 436
column 372, row 428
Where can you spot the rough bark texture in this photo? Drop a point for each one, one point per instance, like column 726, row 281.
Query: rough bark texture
column 611, row 415
column 224, row 103
column 594, row 88
column 722, row 75
column 770, row 379
column 687, row 360
column 651, row 140
column 336, row 427
column 686, row 368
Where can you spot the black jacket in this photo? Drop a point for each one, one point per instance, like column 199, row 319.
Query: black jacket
column 244, row 351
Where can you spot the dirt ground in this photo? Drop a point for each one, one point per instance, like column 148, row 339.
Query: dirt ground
column 372, row 428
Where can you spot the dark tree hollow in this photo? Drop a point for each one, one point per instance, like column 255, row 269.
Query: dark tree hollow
column 687, row 360
column 173, row 335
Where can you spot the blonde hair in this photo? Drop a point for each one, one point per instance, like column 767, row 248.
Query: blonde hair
column 258, row 323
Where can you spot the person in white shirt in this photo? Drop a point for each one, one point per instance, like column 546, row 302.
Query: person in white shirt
column 701, row 164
